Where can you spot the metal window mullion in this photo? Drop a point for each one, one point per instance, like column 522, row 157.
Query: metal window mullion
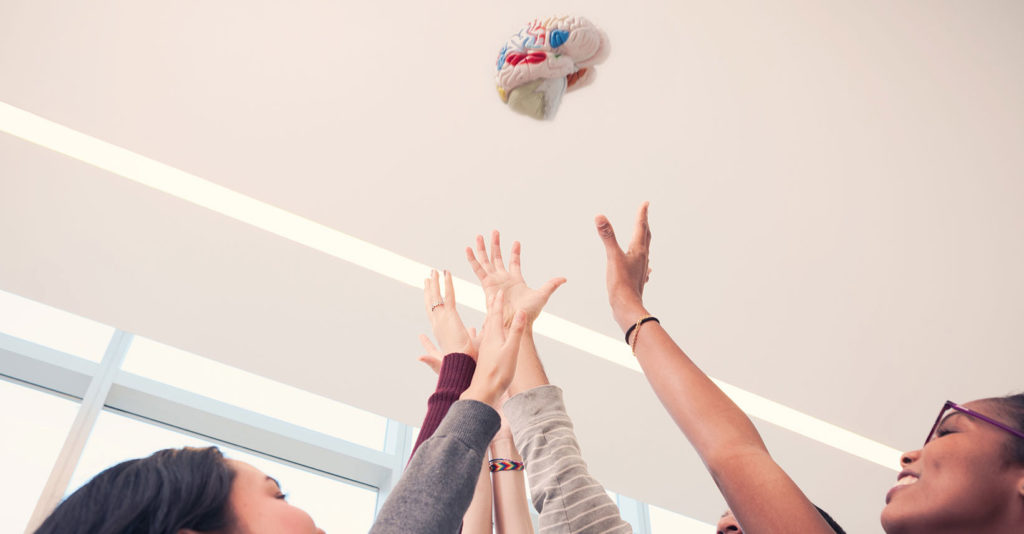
column 636, row 513
column 398, row 445
column 71, row 452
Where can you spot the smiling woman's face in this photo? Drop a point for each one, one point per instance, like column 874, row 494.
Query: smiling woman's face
column 959, row 482
column 259, row 505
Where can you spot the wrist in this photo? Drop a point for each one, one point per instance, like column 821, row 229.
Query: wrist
column 505, row 449
column 627, row 315
column 482, row 394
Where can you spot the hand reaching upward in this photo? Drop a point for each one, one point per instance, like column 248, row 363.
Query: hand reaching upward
column 493, row 276
column 628, row 271
column 496, row 364
column 445, row 322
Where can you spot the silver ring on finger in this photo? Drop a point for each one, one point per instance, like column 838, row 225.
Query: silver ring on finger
column 435, row 304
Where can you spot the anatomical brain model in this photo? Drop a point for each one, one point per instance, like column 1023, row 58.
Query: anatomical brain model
column 546, row 59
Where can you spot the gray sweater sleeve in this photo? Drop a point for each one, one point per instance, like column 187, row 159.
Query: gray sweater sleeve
column 437, row 486
column 567, row 497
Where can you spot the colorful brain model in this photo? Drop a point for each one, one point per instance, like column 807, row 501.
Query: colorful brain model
column 547, row 58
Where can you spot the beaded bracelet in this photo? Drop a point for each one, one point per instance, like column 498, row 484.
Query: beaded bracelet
column 506, row 464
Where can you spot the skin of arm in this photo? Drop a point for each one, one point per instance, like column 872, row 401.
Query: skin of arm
column 459, row 344
column 490, row 270
column 762, row 497
column 478, row 517
column 567, row 497
column 453, row 337
column 511, row 511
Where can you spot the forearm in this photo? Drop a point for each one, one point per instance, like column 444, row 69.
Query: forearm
column 711, row 421
column 435, row 491
column 567, row 496
column 757, row 490
column 478, row 517
column 511, row 511
column 454, row 377
column 529, row 371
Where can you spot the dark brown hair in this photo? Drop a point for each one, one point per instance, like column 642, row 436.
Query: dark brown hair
column 170, row 490
column 1012, row 408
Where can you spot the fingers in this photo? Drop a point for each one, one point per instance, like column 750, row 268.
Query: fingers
column 432, row 294
column 478, row 269
column 435, row 287
column 493, row 323
column 514, row 261
column 515, row 332
column 551, row 285
column 496, row 260
column 642, row 230
column 429, row 346
column 449, row 289
column 481, row 254
column 433, row 362
column 604, row 229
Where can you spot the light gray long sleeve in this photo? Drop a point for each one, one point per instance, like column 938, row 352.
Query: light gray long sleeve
column 437, row 486
column 567, row 497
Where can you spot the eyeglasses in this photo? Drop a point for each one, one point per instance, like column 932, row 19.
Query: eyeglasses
column 950, row 404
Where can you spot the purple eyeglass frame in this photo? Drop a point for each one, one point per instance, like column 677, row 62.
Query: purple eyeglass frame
column 972, row 413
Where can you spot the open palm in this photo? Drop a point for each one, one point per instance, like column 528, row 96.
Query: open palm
column 493, row 276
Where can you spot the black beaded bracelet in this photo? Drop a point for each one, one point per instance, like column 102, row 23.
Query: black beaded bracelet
column 638, row 323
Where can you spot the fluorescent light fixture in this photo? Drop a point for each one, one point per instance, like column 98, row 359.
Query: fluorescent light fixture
column 200, row 192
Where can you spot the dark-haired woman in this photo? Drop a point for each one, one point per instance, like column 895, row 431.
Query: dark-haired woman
column 192, row 491
column 968, row 477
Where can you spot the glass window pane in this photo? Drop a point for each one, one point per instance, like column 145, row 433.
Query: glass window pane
column 667, row 522
column 335, row 506
column 50, row 327
column 243, row 389
column 34, row 434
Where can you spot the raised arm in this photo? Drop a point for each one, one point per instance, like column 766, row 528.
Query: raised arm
column 454, row 362
column 490, row 270
column 436, row 489
column 511, row 509
column 565, row 494
column 760, row 494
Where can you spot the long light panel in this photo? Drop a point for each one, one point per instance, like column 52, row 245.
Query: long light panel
column 201, row 192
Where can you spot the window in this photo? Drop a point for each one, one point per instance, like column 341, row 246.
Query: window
column 34, row 434
column 336, row 506
column 255, row 393
column 50, row 327
column 667, row 522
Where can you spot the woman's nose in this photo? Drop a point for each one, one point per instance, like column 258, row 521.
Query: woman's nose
column 909, row 457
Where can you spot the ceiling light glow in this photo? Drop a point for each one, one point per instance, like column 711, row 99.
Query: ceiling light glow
column 267, row 217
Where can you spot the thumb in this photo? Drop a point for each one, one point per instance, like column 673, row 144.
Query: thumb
column 604, row 229
column 425, row 341
column 432, row 362
column 551, row 285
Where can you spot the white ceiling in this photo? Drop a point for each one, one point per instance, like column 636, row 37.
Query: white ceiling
column 835, row 189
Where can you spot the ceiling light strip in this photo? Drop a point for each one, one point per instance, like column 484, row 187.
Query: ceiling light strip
column 267, row 217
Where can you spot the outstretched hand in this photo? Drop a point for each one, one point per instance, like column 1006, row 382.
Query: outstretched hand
column 490, row 270
column 435, row 357
column 496, row 365
column 628, row 271
column 445, row 322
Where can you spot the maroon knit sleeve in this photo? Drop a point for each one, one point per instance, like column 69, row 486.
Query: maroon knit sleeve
column 455, row 376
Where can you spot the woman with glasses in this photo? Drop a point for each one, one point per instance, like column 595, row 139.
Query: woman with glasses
column 967, row 478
